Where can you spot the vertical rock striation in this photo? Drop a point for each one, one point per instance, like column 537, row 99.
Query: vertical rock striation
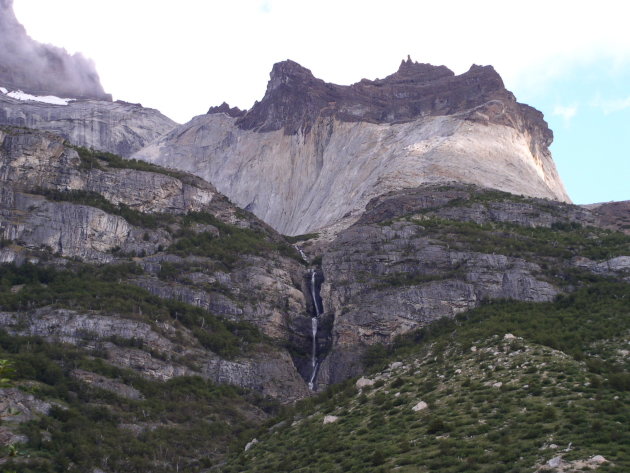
column 312, row 154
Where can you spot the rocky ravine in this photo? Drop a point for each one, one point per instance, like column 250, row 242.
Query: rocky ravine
column 313, row 154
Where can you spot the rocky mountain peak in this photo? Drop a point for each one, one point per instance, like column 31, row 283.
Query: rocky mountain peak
column 295, row 99
column 225, row 108
column 412, row 71
column 291, row 74
column 310, row 155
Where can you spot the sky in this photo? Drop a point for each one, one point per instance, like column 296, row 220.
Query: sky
column 569, row 59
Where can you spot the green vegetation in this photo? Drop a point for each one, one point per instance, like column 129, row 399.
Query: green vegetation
column 92, row 159
column 231, row 242
column 299, row 238
column 573, row 323
column 559, row 241
column 6, row 370
column 413, row 279
column 93, row 199
column 495, row 403
column 184, row 424
column 104, row 289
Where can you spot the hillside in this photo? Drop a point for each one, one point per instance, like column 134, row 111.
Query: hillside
column 130, row 297
column 418, row 255
column 154, row 326
column 509, row 387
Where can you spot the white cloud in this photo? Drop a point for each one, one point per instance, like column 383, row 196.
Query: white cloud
column 566, row 112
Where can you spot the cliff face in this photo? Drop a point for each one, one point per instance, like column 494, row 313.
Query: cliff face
column 313, row 154
column 433, row 252
column 66, row 208
column 117, row 127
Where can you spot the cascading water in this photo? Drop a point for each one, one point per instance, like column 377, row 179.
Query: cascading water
column 302, row 254
column 314, row 362
column 314, row 326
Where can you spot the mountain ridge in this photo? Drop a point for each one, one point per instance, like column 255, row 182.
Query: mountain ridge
column 310, row 155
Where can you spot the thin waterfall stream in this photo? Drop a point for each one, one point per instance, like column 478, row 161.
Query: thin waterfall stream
column 314, row 327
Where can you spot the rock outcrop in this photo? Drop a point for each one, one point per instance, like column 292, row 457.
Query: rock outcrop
column 170, row 352
column 33, row 163
column 312, row 154
column 117, row 127
column 613, row 215
column 436, row 251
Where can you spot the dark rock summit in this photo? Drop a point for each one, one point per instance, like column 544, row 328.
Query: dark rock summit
column 295, row 99
column 225, row 108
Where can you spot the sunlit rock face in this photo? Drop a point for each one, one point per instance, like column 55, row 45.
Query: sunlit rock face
column 311, row 154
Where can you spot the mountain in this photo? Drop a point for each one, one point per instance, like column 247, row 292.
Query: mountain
column 153, row 325
column 311, row 154
column 454, row 312
column 433, row 252
column 44, row 87
column 64, row 204
column 117, row 127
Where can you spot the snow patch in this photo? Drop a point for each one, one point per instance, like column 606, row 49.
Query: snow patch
column 50, row 99
column 3, row 90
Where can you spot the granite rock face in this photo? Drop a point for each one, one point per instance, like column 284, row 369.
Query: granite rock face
column 62, row 209
column 117, row 127
column 310, row 154
column 32, row 163
column 261, row 290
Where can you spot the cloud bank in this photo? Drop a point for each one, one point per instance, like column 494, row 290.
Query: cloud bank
column 42, row 69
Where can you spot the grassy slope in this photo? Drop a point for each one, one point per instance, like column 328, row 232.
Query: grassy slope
column 578, row 396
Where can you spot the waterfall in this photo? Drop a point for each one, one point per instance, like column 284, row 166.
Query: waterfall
column 302, row 254
column 314, row 362
column 314, row 292
column 314, row 325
